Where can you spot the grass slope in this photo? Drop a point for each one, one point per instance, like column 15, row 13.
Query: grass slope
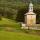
column 8, row 23
column 17, row 36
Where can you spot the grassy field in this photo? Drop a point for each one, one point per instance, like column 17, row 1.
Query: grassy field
column 17, row 36
column 8, row 23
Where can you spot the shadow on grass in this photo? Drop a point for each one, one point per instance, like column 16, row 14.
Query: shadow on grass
column 33, row 32
column 12, row 28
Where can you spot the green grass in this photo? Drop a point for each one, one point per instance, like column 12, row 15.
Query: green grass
column 17, row 36
column 8, row 23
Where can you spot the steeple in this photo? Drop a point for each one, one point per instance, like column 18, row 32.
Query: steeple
column 30, row 7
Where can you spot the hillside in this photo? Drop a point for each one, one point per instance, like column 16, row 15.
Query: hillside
column 5, row 22
column 13, row 9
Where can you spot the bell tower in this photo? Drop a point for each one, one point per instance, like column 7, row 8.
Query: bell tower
column 30, row 16
column 30, row 7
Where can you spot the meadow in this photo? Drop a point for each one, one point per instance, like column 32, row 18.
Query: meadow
column 4, row 35
column 10, row 30
column 15, row 9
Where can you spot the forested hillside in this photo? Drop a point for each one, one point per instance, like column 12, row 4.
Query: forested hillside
column 15, row 9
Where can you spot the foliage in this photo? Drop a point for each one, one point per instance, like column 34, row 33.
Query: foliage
column 15, row 9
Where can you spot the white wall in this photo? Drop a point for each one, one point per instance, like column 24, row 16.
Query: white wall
column 31, row 19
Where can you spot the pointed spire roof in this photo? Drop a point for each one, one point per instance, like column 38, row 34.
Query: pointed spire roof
column 30, row 9
column 30, row 4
